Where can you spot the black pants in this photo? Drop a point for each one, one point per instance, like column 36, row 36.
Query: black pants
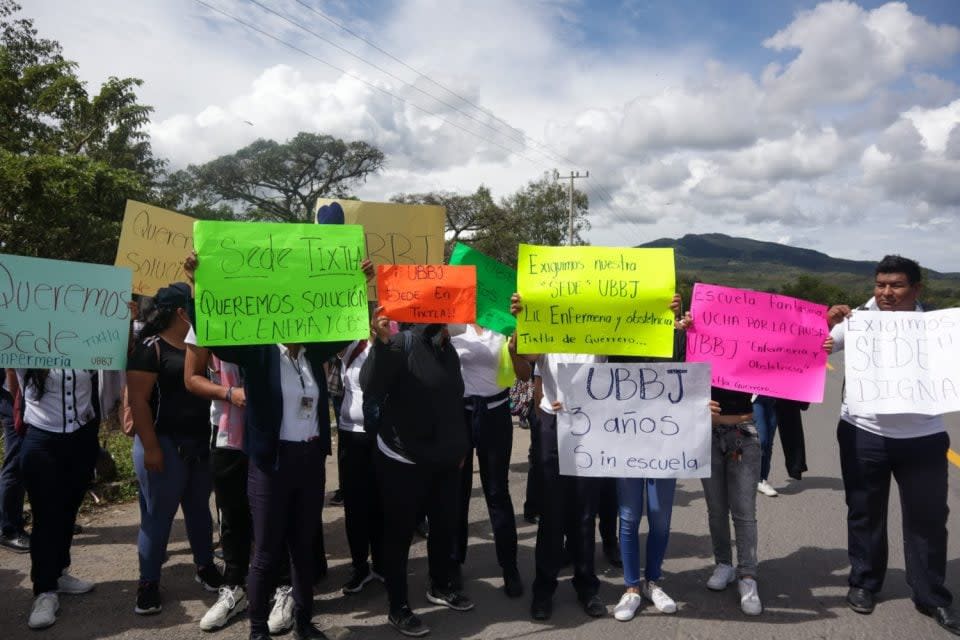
column 790, row 423
column 57, row 469
column 363, row 511
column 236, row 528
column 919, row 466
column 531, row 505
column 563, row 496
column 608, row 508
column 491, row 434
column 407, row 489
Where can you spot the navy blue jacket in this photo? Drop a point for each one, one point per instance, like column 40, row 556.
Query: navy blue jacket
column 261, row 384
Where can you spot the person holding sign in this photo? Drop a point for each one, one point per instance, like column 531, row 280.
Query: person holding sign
column 910, row 447
column 415, row 378
column 171, row 448
column 62, row 410
column 490, row 429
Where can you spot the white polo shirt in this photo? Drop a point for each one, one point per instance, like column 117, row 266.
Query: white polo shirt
column 301, row 397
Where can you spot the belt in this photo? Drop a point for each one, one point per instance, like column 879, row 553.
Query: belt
column 488, row 402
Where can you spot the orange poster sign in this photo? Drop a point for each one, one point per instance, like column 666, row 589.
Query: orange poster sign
column 428, row 293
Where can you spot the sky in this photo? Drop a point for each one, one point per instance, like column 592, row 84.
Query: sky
column 824, row 125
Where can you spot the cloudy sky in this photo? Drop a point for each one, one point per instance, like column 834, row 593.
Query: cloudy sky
column 826, row 125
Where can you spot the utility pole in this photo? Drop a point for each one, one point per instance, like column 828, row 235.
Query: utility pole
column 573, row 176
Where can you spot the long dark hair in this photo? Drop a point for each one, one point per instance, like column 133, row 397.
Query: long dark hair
column 158, row 319
column 36, row 378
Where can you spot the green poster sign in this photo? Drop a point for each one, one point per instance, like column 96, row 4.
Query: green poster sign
column 269, row 283
column 63, row 315
column 496, row 282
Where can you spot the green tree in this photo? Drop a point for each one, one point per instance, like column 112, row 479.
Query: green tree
column 268, row 180
column 467, row 215
column 814, row 289
column 68, row 159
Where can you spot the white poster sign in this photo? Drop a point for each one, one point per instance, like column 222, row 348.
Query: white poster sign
column 639, row 420
column 902, row 362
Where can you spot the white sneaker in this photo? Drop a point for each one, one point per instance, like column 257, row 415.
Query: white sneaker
column 749, row 597
column 231, row 601
column 767, row 489
column 659, row 597
column 281, row 616
column 627, row 607
column 723, row 574
column 44, row 611
column 66, row 583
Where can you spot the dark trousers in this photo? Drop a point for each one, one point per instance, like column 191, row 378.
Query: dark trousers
column 11, row 477
column 790, row 422
column 406, row 490
column 919, row 466
column 285, row 504
column 362, row 507
column 608, row 508
column 57, row 469
column 562, row 496
column 491, row 434
column 230, row 486
column 531, row 505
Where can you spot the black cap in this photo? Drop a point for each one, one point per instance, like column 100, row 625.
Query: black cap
column 176, row 296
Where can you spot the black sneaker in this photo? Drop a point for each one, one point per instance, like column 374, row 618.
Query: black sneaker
column 541, row 608
column 512, row 584
column 18, row 542
column 148, row 599
column 407, row 622
column 337, row 499
column 308, row 631
column 358, row 581
column 453, row 599
column 594, row 607
column 210, row 578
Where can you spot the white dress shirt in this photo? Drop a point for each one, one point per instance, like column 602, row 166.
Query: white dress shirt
column 301, row 397
column 66, row 403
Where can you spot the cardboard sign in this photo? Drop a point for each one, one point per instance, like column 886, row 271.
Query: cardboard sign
column 397, row 233
column 635, row 420
column 428, row 293
column 601, row 300
column 63, row 315
column 154, row 243
column 761, row 343
column 496, row 282
column 902, row 362
column 269, row 283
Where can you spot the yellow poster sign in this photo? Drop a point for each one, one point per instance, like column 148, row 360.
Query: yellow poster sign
column 154, row 242
column 397, row 233
column 600, row 300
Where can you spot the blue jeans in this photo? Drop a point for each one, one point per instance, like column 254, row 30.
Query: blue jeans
column 11, row 476
column 765, row 417
column 657, row 496
column 185, row 483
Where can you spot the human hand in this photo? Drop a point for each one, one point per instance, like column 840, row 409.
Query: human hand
column 380, row 326
column 153, row 459
column 516, row 306
column 836, row 314
column 190, row 265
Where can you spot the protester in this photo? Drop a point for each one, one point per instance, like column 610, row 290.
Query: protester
column 13, row 536
column 490, row 432
column 909, row 447
column 765, row 419
column 171, row 450
column 62, row 410
column 422, row 441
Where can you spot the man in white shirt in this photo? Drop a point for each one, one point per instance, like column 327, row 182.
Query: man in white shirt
column 912, row 448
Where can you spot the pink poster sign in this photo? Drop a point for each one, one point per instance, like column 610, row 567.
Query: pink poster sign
column 761, row 343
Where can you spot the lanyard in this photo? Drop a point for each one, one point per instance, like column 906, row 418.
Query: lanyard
column 295, row 363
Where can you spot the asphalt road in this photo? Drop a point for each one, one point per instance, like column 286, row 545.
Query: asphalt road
column 802, row 573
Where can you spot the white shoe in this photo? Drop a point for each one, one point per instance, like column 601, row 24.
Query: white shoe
column 281, row 616
column 767, row 489
column 659, row 597
column 231, row 601
column 66, row 583
column 44, row 611
column 627, row 607
column 749, row 597
column 723, row 574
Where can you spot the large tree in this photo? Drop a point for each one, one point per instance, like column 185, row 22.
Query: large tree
column 268, row 180
column 467, row 214
column 68, row 159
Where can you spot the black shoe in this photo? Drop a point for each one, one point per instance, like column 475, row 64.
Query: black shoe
column 337, row 499
column 531, row 518
column 512, row 584
column 612, row 553
column 452, row 598
column 407, row 622
column 210, row 578
column 423, row 529
column 861, row 600
column 594, row 607
column 541, row 608
column 259, row 635
column 148, row 599
column 358, row 581
column 18, row 542
column 308, row 631
column 946, row 617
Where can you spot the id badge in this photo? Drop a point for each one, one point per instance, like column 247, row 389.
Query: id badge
column 307, row 407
